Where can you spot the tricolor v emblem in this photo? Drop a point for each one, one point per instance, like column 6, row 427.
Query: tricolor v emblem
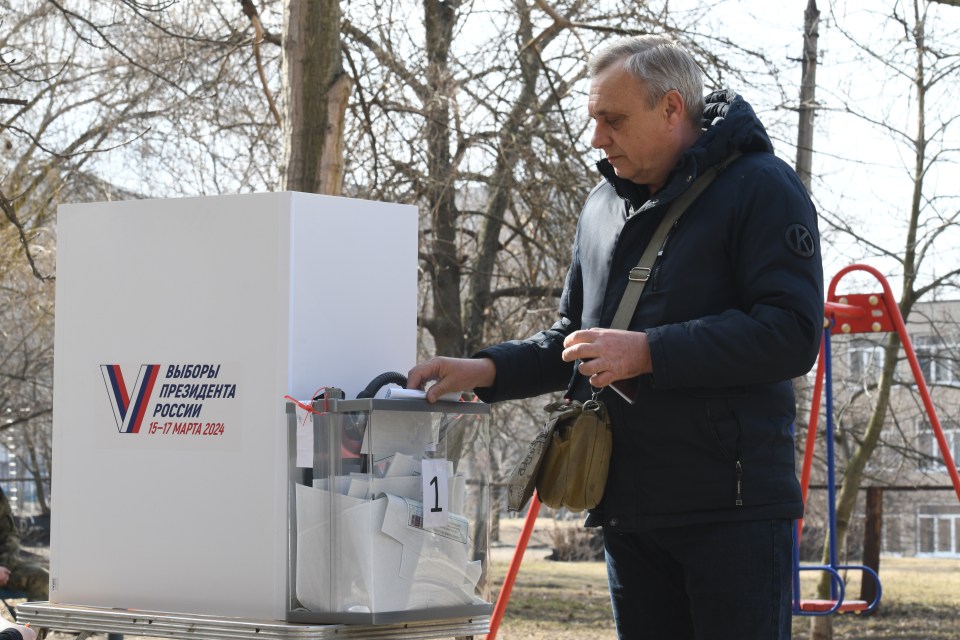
column 129, row 408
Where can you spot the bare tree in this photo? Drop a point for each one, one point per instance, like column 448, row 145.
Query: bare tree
column 84, row 96
column 26, row 356
column 474, row 113
column 479, row 117
column 918, row 59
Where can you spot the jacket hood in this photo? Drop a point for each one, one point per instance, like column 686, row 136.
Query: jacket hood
column 730, row 125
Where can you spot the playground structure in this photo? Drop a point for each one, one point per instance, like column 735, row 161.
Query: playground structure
column 844, row 314
column 851, row 314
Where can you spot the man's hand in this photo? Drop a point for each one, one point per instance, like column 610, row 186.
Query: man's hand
column 608, row 355
column 452, row 374
column 26, row 632
column 4, row 576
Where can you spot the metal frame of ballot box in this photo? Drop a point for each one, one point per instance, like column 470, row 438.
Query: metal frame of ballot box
column 87, row 620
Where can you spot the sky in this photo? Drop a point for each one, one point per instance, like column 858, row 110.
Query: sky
column 863, row 170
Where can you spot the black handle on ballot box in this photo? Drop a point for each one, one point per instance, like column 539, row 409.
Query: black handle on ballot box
column 390, row 377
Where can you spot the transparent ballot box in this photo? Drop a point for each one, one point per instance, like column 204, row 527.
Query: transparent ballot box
column 388, row 511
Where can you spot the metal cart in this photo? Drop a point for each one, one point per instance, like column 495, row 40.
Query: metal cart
column 88, row 620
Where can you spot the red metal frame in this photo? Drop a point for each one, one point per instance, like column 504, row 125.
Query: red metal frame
column 871, row 313
column 504, row 597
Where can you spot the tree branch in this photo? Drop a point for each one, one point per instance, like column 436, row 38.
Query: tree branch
column 251, row 12
column 22, row 419
column 527, row 292
column 11, row 215
column 387, row 59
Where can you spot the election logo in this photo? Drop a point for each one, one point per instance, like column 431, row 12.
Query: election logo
column 129, row 405
column 172, row 399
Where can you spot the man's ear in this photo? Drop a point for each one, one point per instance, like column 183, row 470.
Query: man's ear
column 673, row 107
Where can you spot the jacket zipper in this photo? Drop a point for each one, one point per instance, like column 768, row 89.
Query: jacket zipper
column 739, row 463
column 655, row 278
column 738, row 460
column 739, row 501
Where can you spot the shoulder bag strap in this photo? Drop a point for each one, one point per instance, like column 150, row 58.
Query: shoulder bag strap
column 641, row 273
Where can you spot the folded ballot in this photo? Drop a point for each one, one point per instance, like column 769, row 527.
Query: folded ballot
column 362, row 547
column 386, row 560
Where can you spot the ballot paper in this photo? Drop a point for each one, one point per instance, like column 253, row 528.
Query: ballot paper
column 435, row 563
column 410, row 433
column 358, row 555
column 402, row 465
column 364, row 487
column 304, row 437
column 396, row 393
column 334, row 567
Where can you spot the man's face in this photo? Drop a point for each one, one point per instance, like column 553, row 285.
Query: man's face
column 640, row 142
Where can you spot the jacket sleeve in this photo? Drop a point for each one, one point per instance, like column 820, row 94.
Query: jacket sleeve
column 532, row 367
column 772, row 331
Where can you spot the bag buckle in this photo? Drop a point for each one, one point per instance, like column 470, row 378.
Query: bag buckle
column 639, row 274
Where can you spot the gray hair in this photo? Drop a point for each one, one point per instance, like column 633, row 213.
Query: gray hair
column 661, row 65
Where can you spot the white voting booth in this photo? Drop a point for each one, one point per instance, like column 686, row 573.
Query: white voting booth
column 181, row 326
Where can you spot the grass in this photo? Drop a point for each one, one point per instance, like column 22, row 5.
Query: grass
column 569, row 600
column 559, row 600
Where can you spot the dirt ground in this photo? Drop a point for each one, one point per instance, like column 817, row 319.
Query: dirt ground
column 569, row 601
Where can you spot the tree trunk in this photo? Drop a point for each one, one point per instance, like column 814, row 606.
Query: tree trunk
column 316, row 90
column 804, row 165
column 446, row 326
column 872, row 541
column 808, row 94
column 821, row 628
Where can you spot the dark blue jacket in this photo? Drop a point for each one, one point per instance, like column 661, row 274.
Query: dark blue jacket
column 733, row 312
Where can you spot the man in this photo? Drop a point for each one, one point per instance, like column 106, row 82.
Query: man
column 699, row 502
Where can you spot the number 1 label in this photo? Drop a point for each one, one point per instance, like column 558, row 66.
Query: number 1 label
column 434, row 477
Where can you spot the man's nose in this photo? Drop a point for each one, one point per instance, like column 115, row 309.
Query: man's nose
column 601, row 138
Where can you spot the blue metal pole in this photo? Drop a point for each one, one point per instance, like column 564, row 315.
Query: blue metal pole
column 831, row 482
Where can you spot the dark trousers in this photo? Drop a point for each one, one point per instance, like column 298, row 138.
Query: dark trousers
column 722, row 581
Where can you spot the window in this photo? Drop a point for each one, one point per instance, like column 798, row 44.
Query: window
column 929, row 448
column 938, row 534
column 938, row 359
column 892, row 532
column 864, row 359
